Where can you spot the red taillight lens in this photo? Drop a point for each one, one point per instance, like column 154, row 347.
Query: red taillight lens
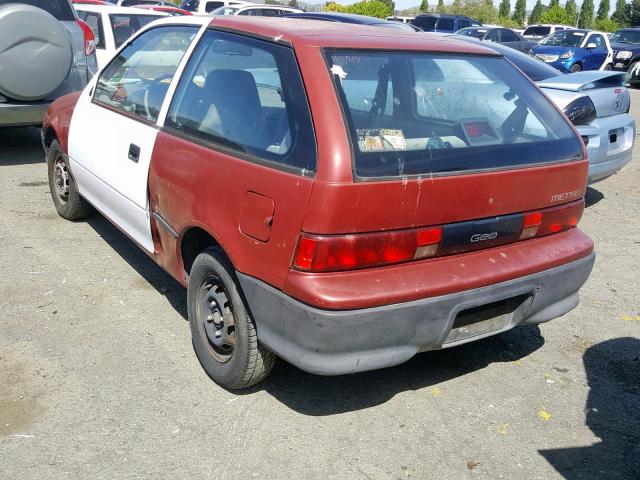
column 530, row 225
column 319, row 253
column 561, row 218
column 89, row 38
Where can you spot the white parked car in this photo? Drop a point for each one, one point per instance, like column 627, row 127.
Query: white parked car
column 256, row 10
column 112, row 26
column 538, row 32
column 136, row 3
column 205, row 7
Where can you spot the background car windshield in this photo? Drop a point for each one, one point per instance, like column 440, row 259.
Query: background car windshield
column 58, row 8
column 626, row 36
column 565, row 38
column 125, row 25
column 419, row 113
column 472, row 32
column 537, row 31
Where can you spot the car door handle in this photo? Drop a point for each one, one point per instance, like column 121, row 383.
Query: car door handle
column 134, row 152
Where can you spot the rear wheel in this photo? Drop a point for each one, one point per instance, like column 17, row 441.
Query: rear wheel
column 222, row 330
column 576, row 67
column 68, row 202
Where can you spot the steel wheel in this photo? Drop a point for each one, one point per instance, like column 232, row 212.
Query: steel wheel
column 61, row 179
column 216, row 318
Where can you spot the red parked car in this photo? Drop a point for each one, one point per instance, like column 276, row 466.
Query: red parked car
column 340, row 196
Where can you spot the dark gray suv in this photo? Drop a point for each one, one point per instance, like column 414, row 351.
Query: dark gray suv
column 45, row 52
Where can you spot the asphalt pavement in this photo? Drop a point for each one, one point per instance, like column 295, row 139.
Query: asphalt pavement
column 98, row 378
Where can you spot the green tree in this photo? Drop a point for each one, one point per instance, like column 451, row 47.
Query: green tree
column 555, row 15
column 605, row 25
column 335, row 7
column 572, row 11
column 554, row 3
column 424, row 6
column 293, row 3
column 507, row 22
column 586, row 14
column 481, row 10
column 603, row 10
column 621, row 13
column 536, row 13
column 371, row 8
column 634, row 13
column 520, row 11
column 505, row 8
column 441, row 5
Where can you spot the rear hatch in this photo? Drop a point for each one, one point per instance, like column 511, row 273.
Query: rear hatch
column 451, row 154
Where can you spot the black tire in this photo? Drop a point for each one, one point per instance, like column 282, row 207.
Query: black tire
column 222, row 330
column 68, row 202
column 576, row 67
column 608, row 68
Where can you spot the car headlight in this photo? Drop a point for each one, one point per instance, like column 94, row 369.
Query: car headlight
column 624, row 54
column 568, row 54
column 581, row 111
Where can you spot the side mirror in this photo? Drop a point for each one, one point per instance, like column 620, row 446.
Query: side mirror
column 591, row 45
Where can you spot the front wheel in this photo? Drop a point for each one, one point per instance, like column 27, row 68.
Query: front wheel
column 222, row 330
column 608, row 68
column 68, row 202
column 575, row 68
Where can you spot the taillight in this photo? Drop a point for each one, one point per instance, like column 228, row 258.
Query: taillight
column 324, row 253
column 89, row 38
column 330, row 253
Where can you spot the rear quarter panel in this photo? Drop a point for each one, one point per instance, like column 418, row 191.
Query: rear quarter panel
column 58, row 118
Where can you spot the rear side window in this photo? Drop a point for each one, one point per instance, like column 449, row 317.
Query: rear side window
column 211, row 6
column 507, row 36
column 448, row 113
column 446, row 24
column 136, row 81
column 61, row 9
column 245, row 95
column 427, row 23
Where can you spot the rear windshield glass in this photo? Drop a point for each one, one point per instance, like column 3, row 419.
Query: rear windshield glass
column 61, row 9
column 125, row 25
column 423, row 113
column 537, row 31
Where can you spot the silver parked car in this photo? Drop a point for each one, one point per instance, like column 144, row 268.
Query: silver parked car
column 596, row 102
column 45, row 53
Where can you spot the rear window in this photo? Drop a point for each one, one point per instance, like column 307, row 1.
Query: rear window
column 125, row 25
column 61, row 9
column 537, row 31
column 423, row 113
column 427, row 23
column 446, row 24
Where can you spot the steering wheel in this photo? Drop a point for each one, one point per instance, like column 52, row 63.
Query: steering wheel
column 150, row 86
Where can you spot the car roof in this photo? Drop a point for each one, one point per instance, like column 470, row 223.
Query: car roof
column 344, row 35
column 115, row 9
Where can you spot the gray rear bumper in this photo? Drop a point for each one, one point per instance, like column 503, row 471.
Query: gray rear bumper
column 19, row 114
column 328, row 342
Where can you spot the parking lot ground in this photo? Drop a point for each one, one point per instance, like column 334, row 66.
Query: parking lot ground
column 98, row 378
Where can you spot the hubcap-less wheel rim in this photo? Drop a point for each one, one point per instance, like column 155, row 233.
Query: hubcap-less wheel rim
column 216, row 318
column 61, row 179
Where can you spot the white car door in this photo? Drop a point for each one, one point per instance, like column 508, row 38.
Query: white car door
column 115, row 124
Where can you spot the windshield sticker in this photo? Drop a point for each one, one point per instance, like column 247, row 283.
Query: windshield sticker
column 377, row 140
column 339, row 72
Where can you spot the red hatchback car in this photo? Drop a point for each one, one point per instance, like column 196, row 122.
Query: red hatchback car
column 343, row 197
